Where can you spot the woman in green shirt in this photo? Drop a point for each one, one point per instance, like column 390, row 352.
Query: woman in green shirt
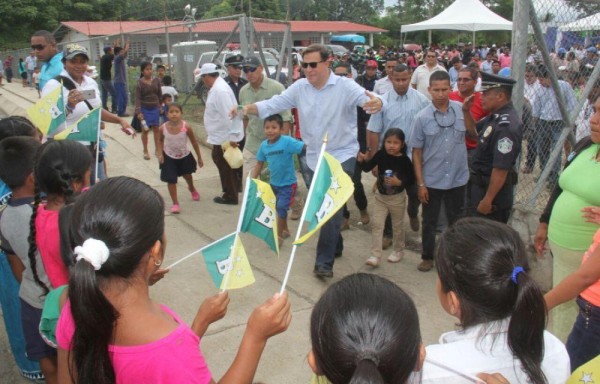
column 562, row 223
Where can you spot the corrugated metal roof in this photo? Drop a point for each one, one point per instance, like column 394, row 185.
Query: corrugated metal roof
column 101, row 28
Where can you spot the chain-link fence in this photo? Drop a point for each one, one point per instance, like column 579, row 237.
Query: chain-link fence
column 554, row 61
column 182, row 47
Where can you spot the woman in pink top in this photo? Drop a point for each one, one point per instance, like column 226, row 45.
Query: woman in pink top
column 62, row 170
column 110, row 330
column 583, row 343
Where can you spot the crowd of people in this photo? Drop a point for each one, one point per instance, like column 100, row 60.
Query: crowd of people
column 438, row 130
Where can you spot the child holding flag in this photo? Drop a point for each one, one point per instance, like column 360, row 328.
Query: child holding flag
column 175, row 157
column 278, row 151
column 110, row 330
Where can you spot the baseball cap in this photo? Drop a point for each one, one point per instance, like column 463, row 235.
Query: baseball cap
column 208, row 68
column 251, row 61
column 372, row 63
column 72, row 50
column 592, row 50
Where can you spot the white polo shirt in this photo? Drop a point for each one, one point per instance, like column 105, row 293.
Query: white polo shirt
column 420, row 77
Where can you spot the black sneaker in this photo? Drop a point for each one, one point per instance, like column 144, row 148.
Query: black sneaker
column 322, row 272
column 220, row 200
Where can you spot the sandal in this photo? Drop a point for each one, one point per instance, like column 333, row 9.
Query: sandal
column 146, row 156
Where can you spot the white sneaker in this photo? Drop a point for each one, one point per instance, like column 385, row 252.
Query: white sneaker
column 372, row 261
column 395, row 257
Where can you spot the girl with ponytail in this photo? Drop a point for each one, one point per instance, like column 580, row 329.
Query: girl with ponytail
column 484, row 282
column 110, row 330
column 365, row 329
column 62, row 170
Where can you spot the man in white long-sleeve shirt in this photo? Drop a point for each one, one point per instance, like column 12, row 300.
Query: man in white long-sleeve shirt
column 217, row 123
column 327, row 105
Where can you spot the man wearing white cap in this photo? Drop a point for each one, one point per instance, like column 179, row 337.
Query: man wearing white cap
column 217, row 123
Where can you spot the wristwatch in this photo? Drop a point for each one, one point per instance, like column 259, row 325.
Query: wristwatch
column 421, row 185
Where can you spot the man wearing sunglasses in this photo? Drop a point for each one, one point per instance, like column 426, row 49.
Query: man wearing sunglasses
column 259, row 88
column 420, row 77
column 326, row 105
column 43, row 45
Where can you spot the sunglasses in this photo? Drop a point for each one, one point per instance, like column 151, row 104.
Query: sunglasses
column 38, row 47
column 250, row 69
column 312, row 65
column 342, row 74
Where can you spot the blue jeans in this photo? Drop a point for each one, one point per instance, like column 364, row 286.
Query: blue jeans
column 121, row 92
column 108, row 87
column 11, row 311
column 330, row 239
column 583, row 343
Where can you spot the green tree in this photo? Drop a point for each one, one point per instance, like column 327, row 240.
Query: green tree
column 587, row 7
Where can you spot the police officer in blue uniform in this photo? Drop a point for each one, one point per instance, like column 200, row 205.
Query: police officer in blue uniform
column 493, row 174
column 234, row 74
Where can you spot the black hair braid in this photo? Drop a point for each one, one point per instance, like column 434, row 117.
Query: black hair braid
column 32, row 243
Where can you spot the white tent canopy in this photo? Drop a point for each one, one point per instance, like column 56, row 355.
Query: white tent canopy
column 590, row 23
column 463, row 15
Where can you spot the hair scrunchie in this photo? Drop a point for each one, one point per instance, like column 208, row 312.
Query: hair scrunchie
column 93, row 251
column 515, row 273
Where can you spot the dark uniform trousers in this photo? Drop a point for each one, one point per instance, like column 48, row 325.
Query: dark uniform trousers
column 228, row 175
column 502, row 204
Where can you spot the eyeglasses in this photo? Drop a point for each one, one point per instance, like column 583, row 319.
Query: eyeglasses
column 342, row 74
column 463, row 79
column 312, row 65
column 38, row 47
column 250, row 69
column 443, row 117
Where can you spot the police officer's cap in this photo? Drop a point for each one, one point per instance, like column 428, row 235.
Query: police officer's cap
column 490, row 81
column 234, row 60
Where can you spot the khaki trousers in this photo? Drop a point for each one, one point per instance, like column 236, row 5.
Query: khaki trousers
column 395, row 205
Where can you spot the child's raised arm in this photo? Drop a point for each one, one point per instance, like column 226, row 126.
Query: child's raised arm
column 195, row 145
column 587, row 274
column 268, row 320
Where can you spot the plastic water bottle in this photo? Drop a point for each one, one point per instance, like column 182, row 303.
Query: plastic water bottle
column 237, row 125
column 145, row 125
column 388, row 188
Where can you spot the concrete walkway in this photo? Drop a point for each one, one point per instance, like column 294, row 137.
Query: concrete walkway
column 200, row 223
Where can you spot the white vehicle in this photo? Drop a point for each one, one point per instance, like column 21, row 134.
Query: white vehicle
column 207, row 57
column 161, row 59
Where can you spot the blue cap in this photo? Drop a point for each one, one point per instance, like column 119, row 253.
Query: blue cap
column 562, row 51
column 592, row 50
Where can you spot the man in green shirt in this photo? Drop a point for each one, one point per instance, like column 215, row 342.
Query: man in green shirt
column 259, row 88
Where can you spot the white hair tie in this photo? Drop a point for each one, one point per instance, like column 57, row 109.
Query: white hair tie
column 93, row 251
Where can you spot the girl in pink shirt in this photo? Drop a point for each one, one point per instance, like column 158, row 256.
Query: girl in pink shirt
column 110, row 330
column 62, row 170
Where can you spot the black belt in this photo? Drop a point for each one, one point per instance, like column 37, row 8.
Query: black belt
column 484, row 180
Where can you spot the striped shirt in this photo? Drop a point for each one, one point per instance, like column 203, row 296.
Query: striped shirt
column 400, row 112
column 545, row 105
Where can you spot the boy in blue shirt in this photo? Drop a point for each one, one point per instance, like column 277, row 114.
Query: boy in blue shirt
column 278, row 151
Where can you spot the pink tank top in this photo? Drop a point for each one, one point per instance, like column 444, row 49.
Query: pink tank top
column 592, row 293
column 47, row 240
column 174, row 359
column 176, row 145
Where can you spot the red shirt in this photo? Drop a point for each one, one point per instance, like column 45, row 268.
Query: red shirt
column 476, row 111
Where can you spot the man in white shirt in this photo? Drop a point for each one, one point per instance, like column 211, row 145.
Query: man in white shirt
column 531, row 89
column 30, row 63
column 383, row 86
column 218, row 125
column 326, row 105
column 420, row 77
